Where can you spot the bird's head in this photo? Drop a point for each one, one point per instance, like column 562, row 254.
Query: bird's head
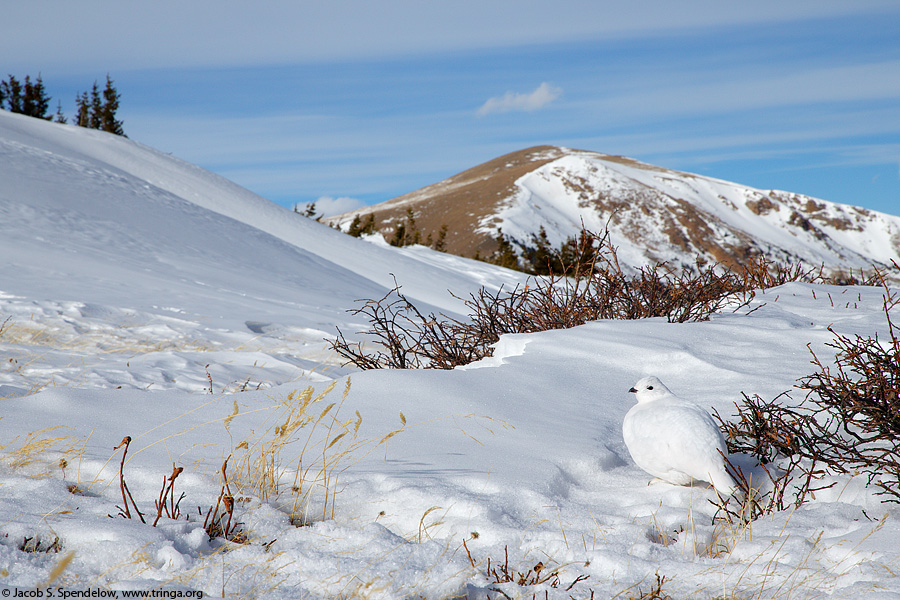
column 649, row 389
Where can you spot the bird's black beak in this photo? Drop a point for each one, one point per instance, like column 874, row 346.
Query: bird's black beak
column 633, row 391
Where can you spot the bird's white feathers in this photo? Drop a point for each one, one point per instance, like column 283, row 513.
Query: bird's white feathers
column 675, row 440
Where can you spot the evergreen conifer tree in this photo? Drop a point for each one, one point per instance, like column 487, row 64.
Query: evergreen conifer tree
column 414, row 236
column 399, row 238
column 108, row 121
column 60, row 117
column 366, row 227
column 83, row 110
column 96, row 108
column 12, row 93
column 355, row 226
column 539, row 257
column 359, row 227
column 505, row 254
column 441, row 242
column 35, row 101
column 407, row 232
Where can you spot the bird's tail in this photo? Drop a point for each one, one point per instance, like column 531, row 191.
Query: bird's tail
column 724, row 483
column 725, row 478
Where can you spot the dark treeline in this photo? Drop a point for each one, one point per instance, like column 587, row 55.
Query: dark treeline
column 94, row 110
column 575, row 256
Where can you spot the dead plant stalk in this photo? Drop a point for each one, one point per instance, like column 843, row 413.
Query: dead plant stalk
column 126, row 494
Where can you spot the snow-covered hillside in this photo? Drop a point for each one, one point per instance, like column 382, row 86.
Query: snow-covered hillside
column 149, row 298
column 656, row 214
column 652, row 214
column 99, row 230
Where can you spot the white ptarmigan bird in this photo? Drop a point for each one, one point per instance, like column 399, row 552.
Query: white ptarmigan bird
column 675, row 440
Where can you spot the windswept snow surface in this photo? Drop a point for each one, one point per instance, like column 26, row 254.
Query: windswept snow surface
column 109, row 245
column 136, row 285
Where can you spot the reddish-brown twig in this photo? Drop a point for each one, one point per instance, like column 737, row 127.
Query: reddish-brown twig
column 126, row 493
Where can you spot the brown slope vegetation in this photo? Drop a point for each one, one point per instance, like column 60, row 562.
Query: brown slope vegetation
column 460, row 202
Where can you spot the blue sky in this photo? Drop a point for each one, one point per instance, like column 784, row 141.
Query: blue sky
column 363, row 101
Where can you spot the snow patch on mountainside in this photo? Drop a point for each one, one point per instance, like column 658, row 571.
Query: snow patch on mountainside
column 658, row 214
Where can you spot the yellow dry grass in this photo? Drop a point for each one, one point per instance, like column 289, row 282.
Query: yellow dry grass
column 303, row 448
column 110, row 339
column 33, row 451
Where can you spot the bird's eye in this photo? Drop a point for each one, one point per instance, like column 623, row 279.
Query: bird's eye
column 649, row 387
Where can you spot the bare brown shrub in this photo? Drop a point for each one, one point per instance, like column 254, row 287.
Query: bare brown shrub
column 759, row 498
column 765, row 429
column 593, row 286
column 36, row 544
column 408, row 339
column 849, row 420
column 856, row 402
column 760, row 273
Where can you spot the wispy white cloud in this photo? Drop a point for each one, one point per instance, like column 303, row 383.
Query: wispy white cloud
column 511, row 101
column 752, row 88
column 122, row 35
column 327, row 206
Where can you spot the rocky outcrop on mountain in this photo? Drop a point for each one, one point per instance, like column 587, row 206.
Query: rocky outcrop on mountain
column 651, row 213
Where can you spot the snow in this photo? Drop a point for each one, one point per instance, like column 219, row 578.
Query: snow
column 558, row 197
column 137, row 284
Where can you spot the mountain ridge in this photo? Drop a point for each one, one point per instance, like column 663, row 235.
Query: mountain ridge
column 652, row 213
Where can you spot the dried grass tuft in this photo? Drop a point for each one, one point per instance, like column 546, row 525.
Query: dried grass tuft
column 58, row 569
column 31, row 453
column 654, row 593
column 302, row 452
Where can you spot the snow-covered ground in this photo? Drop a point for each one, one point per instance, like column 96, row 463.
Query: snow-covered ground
column 148, row 298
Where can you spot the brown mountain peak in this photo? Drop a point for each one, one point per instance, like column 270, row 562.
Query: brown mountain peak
column 460, row 201
column 651, row 213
